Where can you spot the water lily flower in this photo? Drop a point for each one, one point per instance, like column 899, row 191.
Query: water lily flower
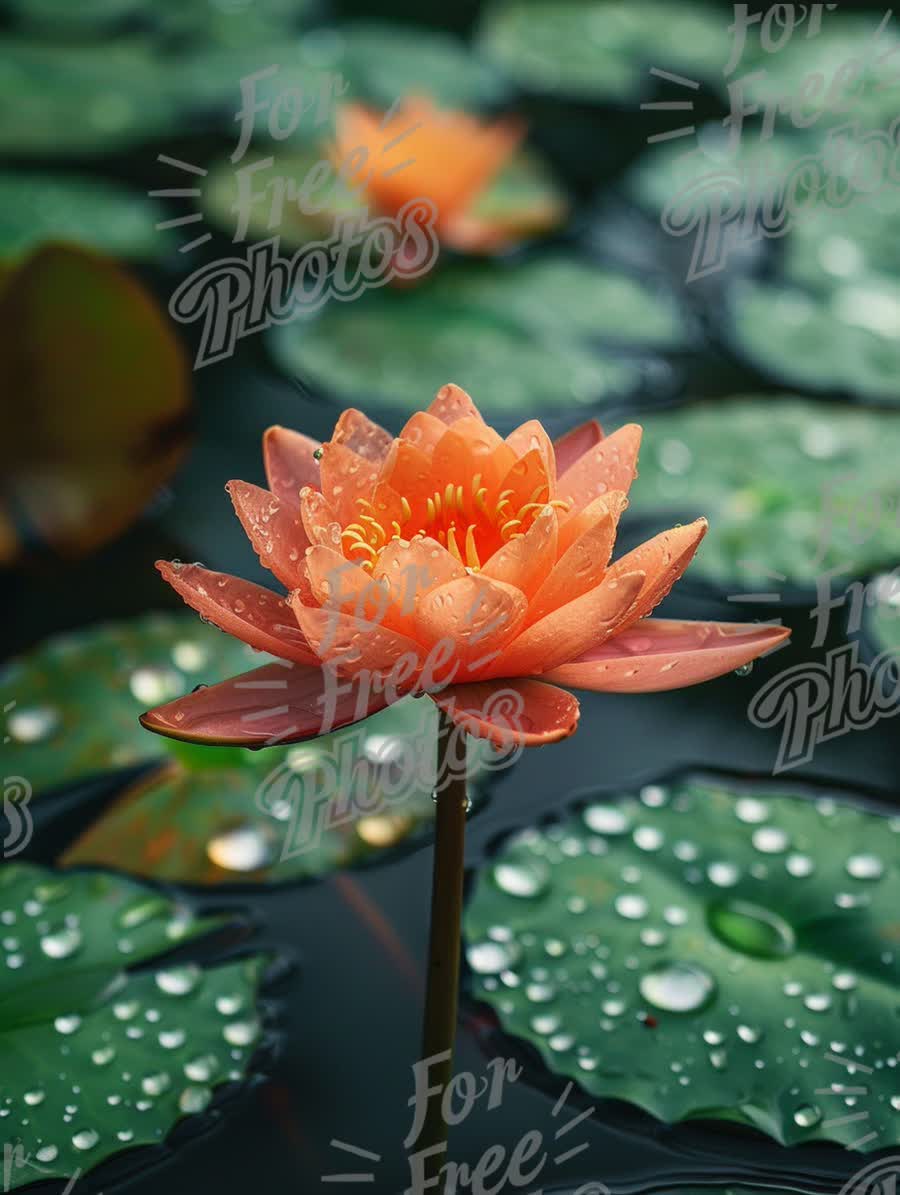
column 450, row 158
column 451, row 562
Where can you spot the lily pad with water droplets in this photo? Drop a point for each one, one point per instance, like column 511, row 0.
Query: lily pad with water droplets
column 212, row 815
column 103, row 1046
column 705, row 949
column 779, row 478
column 538, row 336
column 843, row 339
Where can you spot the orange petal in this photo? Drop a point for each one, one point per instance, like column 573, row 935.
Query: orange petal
column 581, row 567
column 423, row 431
column 412, row 569
column 407, row 471
column 279, row 703
column 572, row 526
column 526, row 561
column 275, row 530
column 527, row 481
column 570, row 629
column 353, row 645
column 357, row 432
column 249, row 612
column 511, row 713
column 452, row 403
column 663, row 559
column 575, row 443
column 290, row 463
column 339, row 584
column 477, row 615
column 529, row 437
column 661, row 653
column 319, row 519
column 468, row 447
column 346, row 476
column 609, row 465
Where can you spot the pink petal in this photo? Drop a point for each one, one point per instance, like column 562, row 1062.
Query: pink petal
column 319, row 519
column 338, row 584
column 357, row 432
column 275, row 530
column 575, row 443
column 249, row 612
column 279, row 703
column 662, row 653
column 423, row 431
column 289, row 461
column 451, row 403
column 411, row 569
column 523, row 712
column 609, row 465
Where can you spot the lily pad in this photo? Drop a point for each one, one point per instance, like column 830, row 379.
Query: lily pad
column 791, row 486
column 105, row 97
column 883, row 619
column 101, row 215
column 103, row 1046
column 208, row 815
column 846, row 40
column 524, row 197
column 705, row 949
column 523, row 336
column 384, row 61
column 843, row 341
column 601, row 49
column 837, row 247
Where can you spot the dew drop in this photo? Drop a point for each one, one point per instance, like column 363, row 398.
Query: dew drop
column 865, row 867
column 677, row 987
column 490, row 958
column 241, row 1033
column 32, row 725
column 817, row 1001
column 178, row 981
column 807, row 1116
column 605, row 819
column 194, row 1099
column 631, row 905
column 770, row 840
column 752, row 930
column 61, row 944
column 525, row 879
column 85, row 1139
column 243, row 848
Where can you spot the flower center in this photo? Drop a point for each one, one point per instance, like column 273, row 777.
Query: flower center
column 470, row 523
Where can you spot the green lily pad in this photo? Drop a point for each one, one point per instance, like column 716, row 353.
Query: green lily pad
column 698, row 165
column 383, row 61
column 883, row 619
column 211, row 815
column 520, row 336
column 116, row 91
column 705, row 949
column 845, row 341
column 836, row 247
column 601, row 49
column 777, row 477
column 844, row 38
column 53, row 16
column 92, row 212
column 99, row 1057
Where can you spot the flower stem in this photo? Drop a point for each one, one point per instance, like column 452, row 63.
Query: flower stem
column 444, row 946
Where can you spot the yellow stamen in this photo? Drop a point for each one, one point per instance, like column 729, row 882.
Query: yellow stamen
column 471, row 551
column 432, row 514
column 506, row 526
column 480, row 496
column 452, row 544
column 405, row 508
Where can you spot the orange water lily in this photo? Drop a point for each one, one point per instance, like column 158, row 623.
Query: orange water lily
column 418, row 151
column 452, row 562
